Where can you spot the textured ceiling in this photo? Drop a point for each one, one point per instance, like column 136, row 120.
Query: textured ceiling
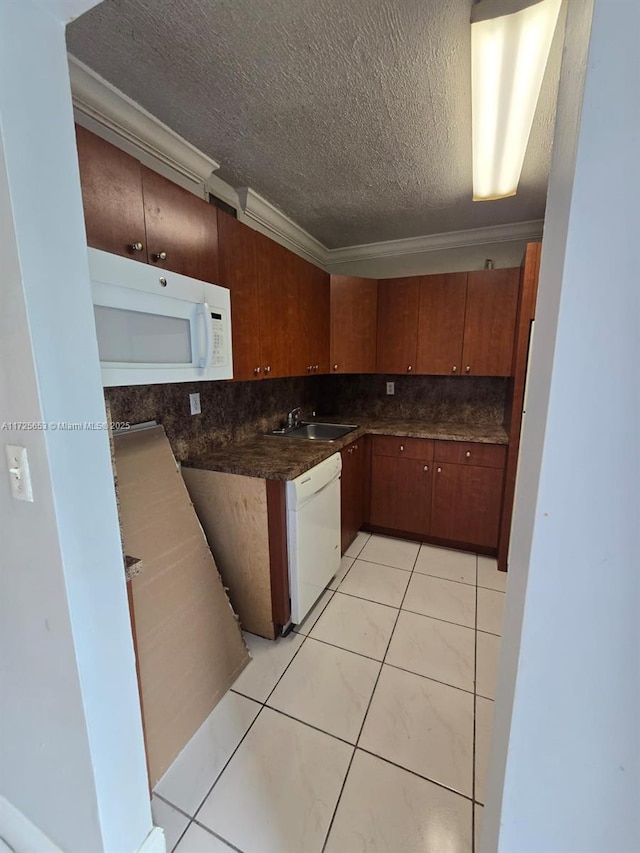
column 351, row 116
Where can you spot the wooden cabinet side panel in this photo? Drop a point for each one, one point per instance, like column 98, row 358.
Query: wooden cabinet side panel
column 111, row 195
column 238, row 272
column 441, row 323
column 354, row 319
column 278, row 554
column 182, row 225
column 234, row 515
column 492, row 303
column 397, row 336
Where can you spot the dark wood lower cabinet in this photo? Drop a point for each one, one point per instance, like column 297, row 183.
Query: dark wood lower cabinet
column 352, row 491
column 449, row 503
column 400, row 494
column 465, row 504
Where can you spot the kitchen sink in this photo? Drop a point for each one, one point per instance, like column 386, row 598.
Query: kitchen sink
column 315, row 431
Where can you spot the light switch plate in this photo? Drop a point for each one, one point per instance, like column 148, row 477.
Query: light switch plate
column 194, row 403
column 19, row 475
column 391, row 387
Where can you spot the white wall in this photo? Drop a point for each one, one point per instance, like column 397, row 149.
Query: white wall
column 566, row 731
column 71, row 748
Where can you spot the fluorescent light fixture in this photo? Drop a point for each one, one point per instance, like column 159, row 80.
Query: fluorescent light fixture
column 510, row 43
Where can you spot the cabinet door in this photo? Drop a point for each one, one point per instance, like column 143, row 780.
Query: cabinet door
column 180, row 226
column 466, row 503
column 276, row 300
column 441, row 323
column 238, row 272
column 489, row 327
column 354, row 318
column 400, row 494
column 309, row 336
column 320, row 307
column 398, row 302
column 112, row 197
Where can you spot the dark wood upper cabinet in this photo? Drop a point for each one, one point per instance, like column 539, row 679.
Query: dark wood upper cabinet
column 398, row 303
column 182, row 229
column 489, row 327
column 354, row 318
column 132, row 211
column 320, row 314
column 441, row 323
column 238, row 272
column 112, row 197
column 309, row 328
column 277, row 294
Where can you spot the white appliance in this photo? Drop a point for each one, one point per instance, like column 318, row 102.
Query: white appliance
column 158, row 326
column 313, row 533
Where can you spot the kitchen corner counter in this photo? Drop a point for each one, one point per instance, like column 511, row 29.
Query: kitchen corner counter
column 278, row 458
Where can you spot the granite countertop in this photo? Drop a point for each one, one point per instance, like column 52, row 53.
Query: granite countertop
column 279, row 458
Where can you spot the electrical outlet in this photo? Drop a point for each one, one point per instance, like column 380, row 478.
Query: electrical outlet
column 194, row 403
column 391, row 387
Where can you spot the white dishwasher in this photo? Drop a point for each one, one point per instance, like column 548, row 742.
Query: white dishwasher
column 313, row 533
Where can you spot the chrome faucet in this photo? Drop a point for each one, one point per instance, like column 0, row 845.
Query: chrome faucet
column 293, row 418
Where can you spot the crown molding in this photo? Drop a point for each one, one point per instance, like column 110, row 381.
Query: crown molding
column 272, row 221
column 514, row 231
column 99, row 100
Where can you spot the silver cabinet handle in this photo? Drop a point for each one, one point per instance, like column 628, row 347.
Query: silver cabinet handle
column 267, row 369
column 454, row 369
column 401, row 447
column 409, row 369
column 468, row 368
column 468, row 454
column 256, row 370
column 137, row 247
column 439, row 470
column 426, row 468
column 316, row 366
column 309, row 368
column 335, row 366
column 163, row 281
column 159, row 256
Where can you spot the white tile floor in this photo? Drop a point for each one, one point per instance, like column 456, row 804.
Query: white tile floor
column 366, row 729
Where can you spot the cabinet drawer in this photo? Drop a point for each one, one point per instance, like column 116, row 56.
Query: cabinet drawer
column 407, row 448
column 470, row 453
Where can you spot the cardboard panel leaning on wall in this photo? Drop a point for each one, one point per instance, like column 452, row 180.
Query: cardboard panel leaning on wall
column 189, row 646
column 233, row 511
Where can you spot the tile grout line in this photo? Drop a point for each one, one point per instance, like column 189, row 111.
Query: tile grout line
column 241, row 741
column 416, row 774
column 366, row 713
column 216, row 835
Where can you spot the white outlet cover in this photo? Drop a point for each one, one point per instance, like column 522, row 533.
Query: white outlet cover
column 391, row 387
column 194, row 404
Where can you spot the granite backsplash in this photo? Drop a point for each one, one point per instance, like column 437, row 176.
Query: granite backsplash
column 231, row 411
column 235, row 411
column 437, row 399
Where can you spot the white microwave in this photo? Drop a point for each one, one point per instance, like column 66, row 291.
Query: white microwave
column 157, row 326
